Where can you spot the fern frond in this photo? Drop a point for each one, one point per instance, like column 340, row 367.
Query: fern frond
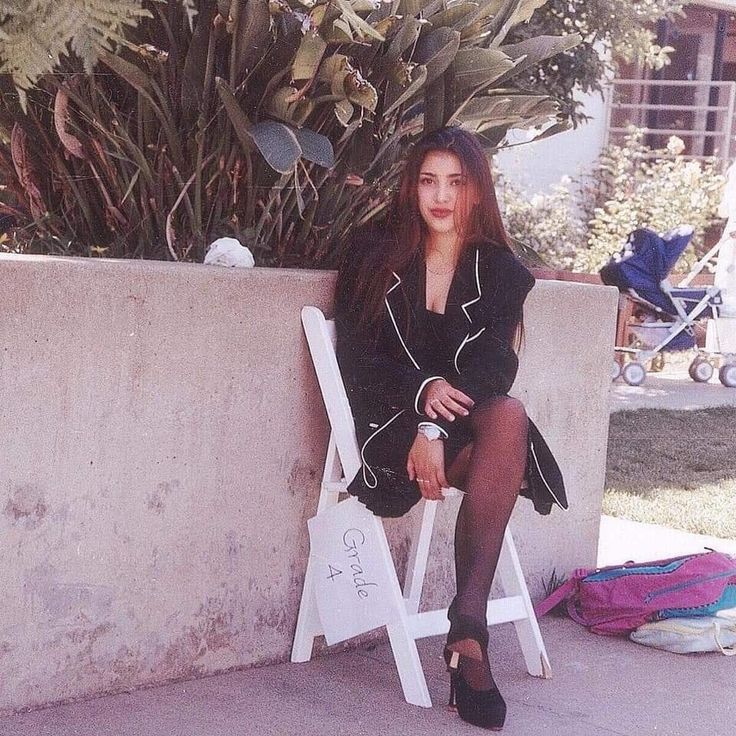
column 34, row 35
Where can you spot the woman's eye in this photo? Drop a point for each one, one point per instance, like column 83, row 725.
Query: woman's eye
column 425, row 180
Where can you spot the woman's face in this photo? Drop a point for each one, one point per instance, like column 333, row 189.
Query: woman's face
column 442, row 191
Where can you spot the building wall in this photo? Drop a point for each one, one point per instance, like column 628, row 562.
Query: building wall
column 162, row 445
column 538, row 166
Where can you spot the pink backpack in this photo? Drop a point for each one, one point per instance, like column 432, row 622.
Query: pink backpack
column 617, row 600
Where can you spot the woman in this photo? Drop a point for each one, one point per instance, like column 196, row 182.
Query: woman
column 428, row 310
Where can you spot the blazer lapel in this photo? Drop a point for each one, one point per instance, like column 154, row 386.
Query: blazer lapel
column 466, row 289
column 406, row 298
column 401, row 306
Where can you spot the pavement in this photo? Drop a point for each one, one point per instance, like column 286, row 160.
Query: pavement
column 601, row 686
column 672, row 389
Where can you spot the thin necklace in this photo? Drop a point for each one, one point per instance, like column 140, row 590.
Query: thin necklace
column 441, row 273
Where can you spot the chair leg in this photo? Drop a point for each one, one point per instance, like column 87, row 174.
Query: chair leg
column 527, row 629
column 408, row 664
column 308, row 626
column 416, row 566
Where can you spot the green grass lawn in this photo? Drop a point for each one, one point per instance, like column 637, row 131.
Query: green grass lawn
column 674, row 468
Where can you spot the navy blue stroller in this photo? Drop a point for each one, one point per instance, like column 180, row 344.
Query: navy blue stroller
column 669, row 314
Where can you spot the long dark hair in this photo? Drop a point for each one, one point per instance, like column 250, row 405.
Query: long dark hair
column 406, row 228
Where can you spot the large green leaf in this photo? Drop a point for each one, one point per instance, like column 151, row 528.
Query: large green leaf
column 195, row 65
column 436, row 51
column 358, row 25
column 499, row 25
column 514, row 110
column 132, row 74
column 405, row 37
column 434, row 105
column 277, row 143
column 386, row 26
column 308, row 57
column 238, row 118
column 451, row 16
column 523, row 12
column 281, row 105
column 475, row 67
column 252, row 37
column 526, row 10
column 419, row 78
column 344, row 111
column 337, row 83
column 339, row 32
column 412, row 7
column 559, row 127
column 316, row 147
column 483, row 9
column 533, row 50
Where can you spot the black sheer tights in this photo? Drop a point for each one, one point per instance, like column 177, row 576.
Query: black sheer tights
column 490, row 471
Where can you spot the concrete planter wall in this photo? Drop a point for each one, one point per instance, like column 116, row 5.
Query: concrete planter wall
column 162, row 443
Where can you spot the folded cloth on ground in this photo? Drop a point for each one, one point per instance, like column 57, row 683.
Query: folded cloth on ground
column 686, row 635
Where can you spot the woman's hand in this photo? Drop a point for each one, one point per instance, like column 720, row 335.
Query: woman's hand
column 426, row 465
column 441, row 399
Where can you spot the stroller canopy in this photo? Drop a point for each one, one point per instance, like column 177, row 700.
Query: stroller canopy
column 645, row 261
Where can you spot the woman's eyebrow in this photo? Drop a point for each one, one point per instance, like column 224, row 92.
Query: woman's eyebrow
column 449, row 176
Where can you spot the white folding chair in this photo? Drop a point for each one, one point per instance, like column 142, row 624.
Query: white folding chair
column 341, row 465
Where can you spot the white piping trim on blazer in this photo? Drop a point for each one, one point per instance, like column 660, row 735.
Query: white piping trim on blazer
column 421, row 388
column 362, row 450
column 477, row 283
column 465, row 341
column 467, row 316
column 396, row 327
column 541, row 475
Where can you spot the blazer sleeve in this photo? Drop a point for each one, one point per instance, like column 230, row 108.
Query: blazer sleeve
column 488, row 364
column 367, row 368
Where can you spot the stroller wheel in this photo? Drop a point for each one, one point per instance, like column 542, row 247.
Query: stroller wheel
column 727, row 375
column 634, row 373
column 700, row 370
column 615, row 370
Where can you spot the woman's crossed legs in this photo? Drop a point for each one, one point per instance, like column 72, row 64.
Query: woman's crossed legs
column 490, row 470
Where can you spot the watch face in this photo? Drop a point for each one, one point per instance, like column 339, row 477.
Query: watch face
column 431, row 433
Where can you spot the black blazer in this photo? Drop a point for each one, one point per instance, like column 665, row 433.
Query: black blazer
column 384, row 376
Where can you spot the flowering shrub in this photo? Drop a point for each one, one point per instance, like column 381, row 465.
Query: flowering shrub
column 634, row 189
column 547, row 223
column 581, row 223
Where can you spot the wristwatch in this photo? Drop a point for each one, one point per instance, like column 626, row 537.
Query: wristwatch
column 429, row 430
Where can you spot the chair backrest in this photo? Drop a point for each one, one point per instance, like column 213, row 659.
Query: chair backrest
column 321, row 337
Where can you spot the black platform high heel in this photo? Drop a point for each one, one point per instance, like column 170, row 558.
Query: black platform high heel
column 484, row 708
